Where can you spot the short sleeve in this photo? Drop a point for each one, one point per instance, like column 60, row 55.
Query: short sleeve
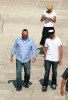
column 54, row 14
column 44, row 14
column 65, row 74
column 59, row 42
column 46, row 45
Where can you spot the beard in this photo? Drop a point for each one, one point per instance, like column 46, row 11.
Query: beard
column 24, row 37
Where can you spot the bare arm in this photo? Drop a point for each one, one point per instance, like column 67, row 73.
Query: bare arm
column 42, row 19
column 53, row 20
column 62, row 86
column 45, row 52
column 60, row 54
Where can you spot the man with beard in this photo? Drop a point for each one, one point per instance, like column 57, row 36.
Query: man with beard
column 22, row 48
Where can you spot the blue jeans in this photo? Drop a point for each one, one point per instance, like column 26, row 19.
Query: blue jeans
column 47, row 71
column 19, row 72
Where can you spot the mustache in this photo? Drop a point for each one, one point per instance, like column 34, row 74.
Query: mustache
column 25, row 36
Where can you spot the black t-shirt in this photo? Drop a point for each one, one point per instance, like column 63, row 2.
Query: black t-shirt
column 65, row 76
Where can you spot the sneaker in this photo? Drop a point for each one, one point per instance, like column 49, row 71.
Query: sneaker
column 19, row 88
column 53, row 86
column 26, row 85
column 44, row 88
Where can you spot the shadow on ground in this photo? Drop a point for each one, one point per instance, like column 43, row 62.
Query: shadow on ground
column 42, row 80
column 14, row 82
column 40, row 50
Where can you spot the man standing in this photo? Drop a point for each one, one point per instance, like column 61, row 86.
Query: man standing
column 53, row 56
column 65, row 81
column 22, row 48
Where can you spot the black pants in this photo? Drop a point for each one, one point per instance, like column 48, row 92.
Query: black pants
column 45, row 34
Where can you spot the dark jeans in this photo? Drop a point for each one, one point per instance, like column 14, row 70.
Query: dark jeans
column 47, row 71
column 19, row 72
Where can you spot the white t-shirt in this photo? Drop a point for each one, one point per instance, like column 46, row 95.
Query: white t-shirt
column 53, row 49
column 49, row 23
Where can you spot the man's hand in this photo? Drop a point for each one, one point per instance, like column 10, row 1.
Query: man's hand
column 33, row 60
column 62, row 92
column 11, row 59
column 62, row 86
column 59, row 61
